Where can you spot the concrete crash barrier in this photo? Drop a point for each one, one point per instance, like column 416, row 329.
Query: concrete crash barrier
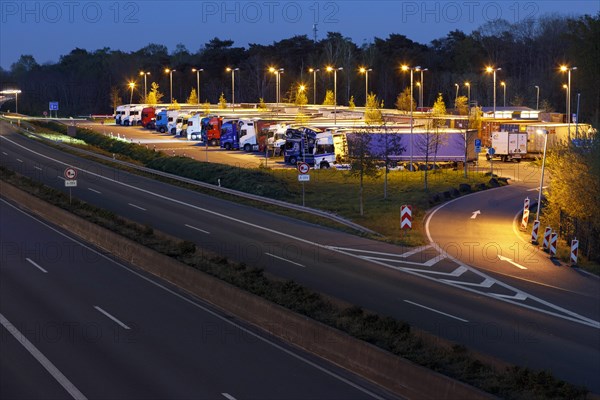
column 394, row 373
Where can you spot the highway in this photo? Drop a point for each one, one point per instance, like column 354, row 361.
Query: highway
column 431, row 291
column 77, row 324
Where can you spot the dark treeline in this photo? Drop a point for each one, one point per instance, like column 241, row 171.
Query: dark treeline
column 529, row 53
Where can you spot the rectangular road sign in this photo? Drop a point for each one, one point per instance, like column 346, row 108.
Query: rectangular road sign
column 303, row 178
column 53, row 106
column 70, row 182
column 477, row 145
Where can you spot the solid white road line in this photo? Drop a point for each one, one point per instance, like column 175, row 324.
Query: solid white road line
column 436, row 311
column 47, row 364
column 94, row 190
column 36, row 167
column 228, row 396
column 285, row 259
column 19, row 160
column 111, row 317
column 198, row 229
column 5, row 153
column 36, row 265
column 138, row 207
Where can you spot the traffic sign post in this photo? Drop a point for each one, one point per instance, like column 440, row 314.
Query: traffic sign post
column 406, row 217
column 303, row 176
column 491, row 151
column 477, row 146
column 70, row 180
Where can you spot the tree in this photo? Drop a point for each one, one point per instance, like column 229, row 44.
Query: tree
column 351, row 104
column 206, row 107
column 438, row 113
column 154, row 96
column 392, row 145
column 174, row 105
column 261, row 104
column 404, row 100
column 222, row 101
column 329, row 100
column 363, row 163
column 461, row 106
column 301, row 98
column 373, row 114
column 193, row 97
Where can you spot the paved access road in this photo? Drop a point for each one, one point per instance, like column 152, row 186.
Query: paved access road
column 77, row 324
column 415, row 285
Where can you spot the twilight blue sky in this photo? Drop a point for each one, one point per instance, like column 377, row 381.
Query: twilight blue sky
column 49, row 29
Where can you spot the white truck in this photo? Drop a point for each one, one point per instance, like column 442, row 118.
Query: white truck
column 509, row 145
column 122, row 114
column 276, row 139
column 182, row 120
column 135, row 115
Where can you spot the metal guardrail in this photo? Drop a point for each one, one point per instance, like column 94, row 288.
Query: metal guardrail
column 249, row 196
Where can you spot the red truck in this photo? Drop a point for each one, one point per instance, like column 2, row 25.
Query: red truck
column 148, row 117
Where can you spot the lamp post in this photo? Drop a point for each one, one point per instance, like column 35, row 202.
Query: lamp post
column 145, row 86
column 422, row 88
column 418, row 84
column 277, row 72
column 411, row 69
column 537, row 97
column 456, row 95
column 16, row 93
column 335, row 70
column 568, row 70
column 170, row 72
column 232, row 70
column 314, row 72
column 197, row 71
column 468, row 85
column 503, row 84
column 566, row 87
column 493, row 70
column 539, row 206
column 131, row 86
column 366, row 71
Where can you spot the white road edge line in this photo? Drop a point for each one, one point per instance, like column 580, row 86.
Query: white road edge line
column 36, row 265
column 111, row 317
column 47, row 364
column 285, row 259
column 434, row 310
column 94, row 190
column 205, row 309
column 138, row 207
column 198, row 229
column 228, row 396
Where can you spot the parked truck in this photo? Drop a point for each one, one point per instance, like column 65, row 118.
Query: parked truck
column 509, row 146
column 204, row 128
column 246, row 134
column 135, row 115
column 148, row 118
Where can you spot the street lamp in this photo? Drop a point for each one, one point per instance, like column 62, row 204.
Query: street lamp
column 539, row 206
column 197, row 71
column 456, row 96
column 170, row 72
column 537, row 97
column 566, row 87
column 422, row 89
column 232, row 70
column 503, row 84
column 418, row 84
column 277, row 72
column 335, row 70
column 568, row 70
column 16, row 93
column 493, row 70
column 314, row 72
column 407, row 68
column 142, row 73
column 366, row 71
column 131, row 86
column 468, row 85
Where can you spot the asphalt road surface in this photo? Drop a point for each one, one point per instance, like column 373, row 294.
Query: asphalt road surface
column 516, row 320
column 77, row 324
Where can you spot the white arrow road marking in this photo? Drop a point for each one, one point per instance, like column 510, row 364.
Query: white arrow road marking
column 502, row 258
column 475, row 214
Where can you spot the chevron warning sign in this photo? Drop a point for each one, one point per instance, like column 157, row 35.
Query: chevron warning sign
column 406, row 217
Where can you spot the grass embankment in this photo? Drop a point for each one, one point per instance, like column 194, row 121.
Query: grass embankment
column 329, row 190
column 387, row 333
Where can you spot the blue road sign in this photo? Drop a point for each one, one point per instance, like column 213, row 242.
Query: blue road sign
column 53, row 106
column 477, row 145
column 491, row 151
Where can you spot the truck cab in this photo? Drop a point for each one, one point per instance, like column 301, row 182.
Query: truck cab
column 181, row 126
column 240, row 134
column 300, row 145
column 135, row 115
column 148, row 117
column 211, row 130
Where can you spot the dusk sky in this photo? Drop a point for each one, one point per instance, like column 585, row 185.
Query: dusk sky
column 49, row 29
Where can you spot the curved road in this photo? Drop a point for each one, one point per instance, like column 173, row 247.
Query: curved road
column 416, row 285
